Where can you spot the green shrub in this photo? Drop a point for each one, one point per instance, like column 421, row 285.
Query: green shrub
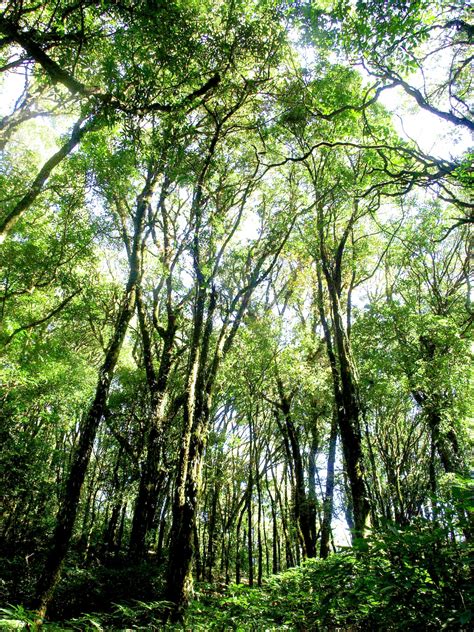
column 96, row 589
column 410, row 578
column 415, row 578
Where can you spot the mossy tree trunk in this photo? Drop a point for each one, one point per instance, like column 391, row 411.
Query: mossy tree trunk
column 69, row 506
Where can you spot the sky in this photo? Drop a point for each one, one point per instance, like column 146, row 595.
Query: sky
column 434, row 135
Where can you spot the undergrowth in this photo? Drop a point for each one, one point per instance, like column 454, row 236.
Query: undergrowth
column 416, row 578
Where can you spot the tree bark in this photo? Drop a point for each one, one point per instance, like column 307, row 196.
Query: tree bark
column 68, row 510
column 212, row 534
column 345, row 393
column 238, row 561
column 329, row 492
column 304, row 507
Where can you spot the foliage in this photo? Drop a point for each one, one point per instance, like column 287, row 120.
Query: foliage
column 410, row 578
column 235, row 314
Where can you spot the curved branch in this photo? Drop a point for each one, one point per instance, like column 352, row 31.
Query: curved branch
column 40, row 321
column 423, row 103
column 59, row 75
column 7, row 223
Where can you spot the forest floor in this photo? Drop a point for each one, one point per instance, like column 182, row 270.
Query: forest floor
column 406, row 580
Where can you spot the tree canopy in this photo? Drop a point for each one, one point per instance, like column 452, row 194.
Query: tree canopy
column 236, row 314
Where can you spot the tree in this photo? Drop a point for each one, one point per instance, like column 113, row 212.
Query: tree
column 235, row 313
column 428, row 292
column 82, row 453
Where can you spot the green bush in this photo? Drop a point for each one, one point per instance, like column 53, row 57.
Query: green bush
column 410, row 578
column 415, row 578
column 96, row 589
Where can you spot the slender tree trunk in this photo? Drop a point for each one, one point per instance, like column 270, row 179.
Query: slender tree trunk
column 179, row 580
column 90, row 499
column 348, row 509
column 375, row 492
column 275, row 536
column 195, row 421
column 275, row 556
column 238, row 561
column 329, row 492
column 200, row 569
column 265, row 544
column 250, row 540
column 116, row 506
column 161, row 529
column 118, row 544
column 153, row 474
column 109, row 538
column 145, row 506
column 202, row 370
column 349, row 425
column 67, row 515
column 259, row 530
column 68, row 511
column 346, row 399
column 292, row 557
column 212, row 535
column 286, row 534
column 304, row 507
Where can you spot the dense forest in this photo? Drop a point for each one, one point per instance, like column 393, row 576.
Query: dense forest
column 235, row 321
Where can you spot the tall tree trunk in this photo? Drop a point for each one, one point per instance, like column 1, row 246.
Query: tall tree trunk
column 68, row 510
column 118, row 544
column 88, row 505
column 345, row 395
column 259, row 529
column 212, row 534
column 286, row 534
column 110, row 534
column 153, row 474
column 249, row 502
column 67, row 514
column 195, row 421
column 265, row 544
column 179, row 579
column 195, row 427
column 304, row 507
column 349, row 425
column 329, row 492
column 238, row 560
column 197, row 555
column 202, row 372
column 116, row 506
column 275, row 542
column 250, row 540
column 162, row 526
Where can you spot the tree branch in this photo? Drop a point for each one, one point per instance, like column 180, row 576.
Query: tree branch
column 40, row 321
column 36, row 187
